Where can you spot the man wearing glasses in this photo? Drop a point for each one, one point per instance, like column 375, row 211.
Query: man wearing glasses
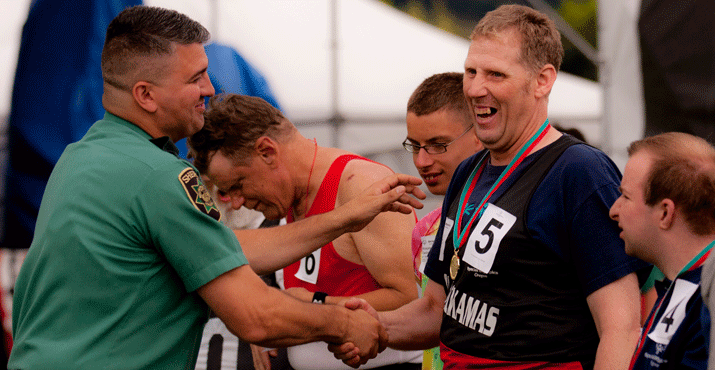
column 437, row 118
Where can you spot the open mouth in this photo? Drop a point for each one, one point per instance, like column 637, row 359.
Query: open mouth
column 485, row 112
column 430, row 177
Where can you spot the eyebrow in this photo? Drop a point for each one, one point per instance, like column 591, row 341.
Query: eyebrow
column 432, row 140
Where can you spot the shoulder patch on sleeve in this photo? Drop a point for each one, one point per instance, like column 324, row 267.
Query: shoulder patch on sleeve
column 198, row 194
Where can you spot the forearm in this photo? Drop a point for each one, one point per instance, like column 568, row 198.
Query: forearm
column 616, row 349
column 301, row 238
column 384, row 299
column 271, row 249
column 287, row 323
column 389, row 298
column 415, row 325
column 616, row 312
column 267, row 316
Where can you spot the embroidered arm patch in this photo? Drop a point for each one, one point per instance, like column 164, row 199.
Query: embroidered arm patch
column 198, row 194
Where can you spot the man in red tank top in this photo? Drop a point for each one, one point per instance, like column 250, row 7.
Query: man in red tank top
column 258, row 159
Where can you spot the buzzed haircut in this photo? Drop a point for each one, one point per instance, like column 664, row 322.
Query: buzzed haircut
column 142, row 32
column 232, row 124
column 540, row 39
column 440, row 91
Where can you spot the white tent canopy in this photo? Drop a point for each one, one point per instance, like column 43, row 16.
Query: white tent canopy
column 342, row 70
column 354, row 59
column 358, row 60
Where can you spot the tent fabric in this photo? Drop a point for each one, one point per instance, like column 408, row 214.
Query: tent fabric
column 231, row 73
column 677, row 41
column 57, row 96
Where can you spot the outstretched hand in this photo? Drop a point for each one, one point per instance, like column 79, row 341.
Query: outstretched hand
column 391, row 194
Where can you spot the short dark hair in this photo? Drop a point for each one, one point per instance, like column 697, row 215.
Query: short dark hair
column 440, row 91
column 144, row 32
column 683, row 170
column 540, row 39
column 232, row 124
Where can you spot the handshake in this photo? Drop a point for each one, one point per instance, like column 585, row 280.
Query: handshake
column 366, row 337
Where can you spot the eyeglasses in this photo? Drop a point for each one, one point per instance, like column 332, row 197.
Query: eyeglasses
column 432, row 148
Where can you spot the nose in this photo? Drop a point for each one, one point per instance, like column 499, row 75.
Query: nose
column 422, row 158
column 474, row 87
column 237, row 201
column 613, row 212
column 207, row 88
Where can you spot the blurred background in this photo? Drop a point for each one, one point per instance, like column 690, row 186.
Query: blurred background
column 342, row 71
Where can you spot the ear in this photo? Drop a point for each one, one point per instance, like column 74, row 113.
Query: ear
column 477, row 144
column 143, row 94
column 545, row 80
column 666, row 213
column 266, row 149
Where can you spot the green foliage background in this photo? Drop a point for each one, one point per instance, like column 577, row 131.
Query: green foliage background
column 459, row 17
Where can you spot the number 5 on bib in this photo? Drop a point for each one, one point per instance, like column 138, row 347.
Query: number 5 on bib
column 484, row 241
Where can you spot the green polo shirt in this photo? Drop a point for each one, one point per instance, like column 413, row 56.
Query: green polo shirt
column 124, row 237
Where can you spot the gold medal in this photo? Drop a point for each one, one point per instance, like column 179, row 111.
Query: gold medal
column 454, row 266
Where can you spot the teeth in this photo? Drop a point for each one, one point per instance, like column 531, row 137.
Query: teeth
column 482, row 111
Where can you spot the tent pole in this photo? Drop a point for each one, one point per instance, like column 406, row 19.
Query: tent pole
column 336, row 120
column 213, row 19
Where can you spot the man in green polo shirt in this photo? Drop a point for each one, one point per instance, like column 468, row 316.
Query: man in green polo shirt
column 128, row 254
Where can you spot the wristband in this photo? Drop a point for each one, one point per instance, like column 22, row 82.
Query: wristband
column 319, row 297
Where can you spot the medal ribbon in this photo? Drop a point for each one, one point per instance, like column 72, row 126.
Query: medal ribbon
column 694, row 263
column 458, row 236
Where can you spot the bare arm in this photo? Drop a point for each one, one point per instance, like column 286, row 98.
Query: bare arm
column 383, row 246
column 263, row 315
column 416, row 325
column 413, row 326
column 301, row 238
column 616, row 311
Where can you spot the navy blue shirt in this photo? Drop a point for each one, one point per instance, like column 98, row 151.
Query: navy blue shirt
column 576, row 251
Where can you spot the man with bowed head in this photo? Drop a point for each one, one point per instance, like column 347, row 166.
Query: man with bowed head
column 667, row 214
column 128, row 253
column 527, row 270
column 259, row 159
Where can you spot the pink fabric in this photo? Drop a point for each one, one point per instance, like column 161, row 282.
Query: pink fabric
column 428, row 225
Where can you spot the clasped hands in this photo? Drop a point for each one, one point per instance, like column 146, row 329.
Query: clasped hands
column 348, row 352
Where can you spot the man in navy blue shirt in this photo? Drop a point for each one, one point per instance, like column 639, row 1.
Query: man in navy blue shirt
column 667, row 214
column 527, row 270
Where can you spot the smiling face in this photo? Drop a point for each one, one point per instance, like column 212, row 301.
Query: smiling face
column 440, row 127
column 500, row 91
column 181, row 91
column 637, row 220
column 259, row 183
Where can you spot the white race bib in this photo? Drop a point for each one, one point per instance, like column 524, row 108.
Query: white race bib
column 309, row 267
column 427, row 243
column 483, row 243
column 448, row 223
column 675, row 312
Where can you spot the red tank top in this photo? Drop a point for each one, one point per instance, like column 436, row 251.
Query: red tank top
column 324, row 270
